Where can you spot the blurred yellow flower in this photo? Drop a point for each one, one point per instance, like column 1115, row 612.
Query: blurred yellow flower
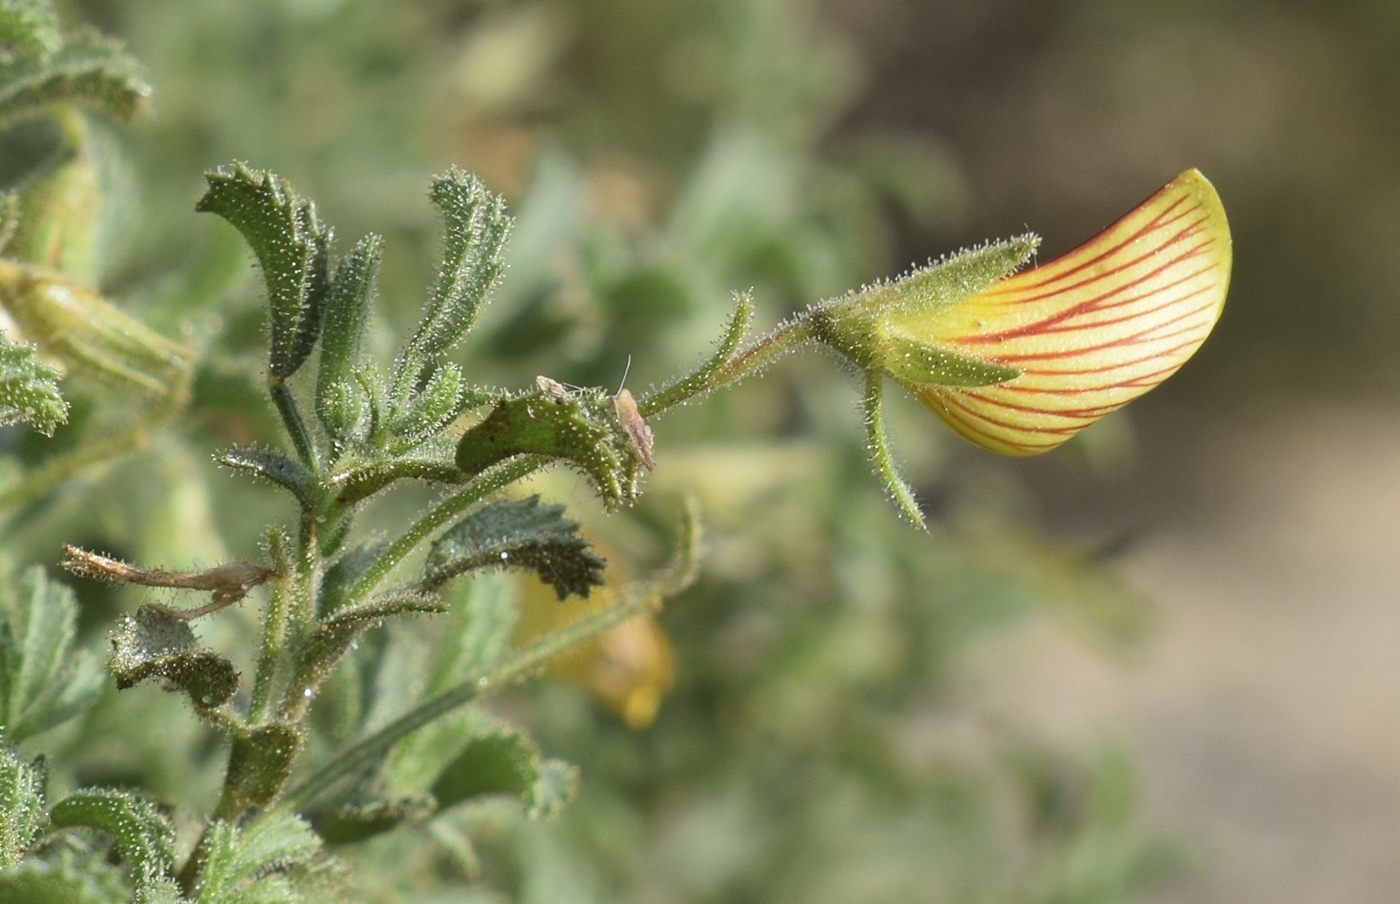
column 626, row 669
column 1085, row 333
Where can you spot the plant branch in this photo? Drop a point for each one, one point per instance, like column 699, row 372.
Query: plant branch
column 637, row 599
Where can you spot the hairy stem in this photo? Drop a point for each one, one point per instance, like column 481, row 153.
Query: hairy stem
column 638, row 598
column 290, row 413
column 725, row 366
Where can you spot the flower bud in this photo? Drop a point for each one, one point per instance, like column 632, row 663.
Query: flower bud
column 72, row 323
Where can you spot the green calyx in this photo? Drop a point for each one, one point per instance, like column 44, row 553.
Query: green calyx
column 871, row 328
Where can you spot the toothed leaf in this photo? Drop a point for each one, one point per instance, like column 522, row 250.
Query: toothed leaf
column 40, row 685
column 517, row 534
column 356, row 822
column 241, row 864
column 475, row 228
column 29, row 390
column 22, row 812
column 87, row 69
column 502, row 761
column 291, row 245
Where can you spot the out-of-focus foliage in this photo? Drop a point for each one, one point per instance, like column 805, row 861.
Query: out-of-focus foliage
column 656, row 157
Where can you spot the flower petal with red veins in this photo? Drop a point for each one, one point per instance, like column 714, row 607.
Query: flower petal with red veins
column 1091, row 330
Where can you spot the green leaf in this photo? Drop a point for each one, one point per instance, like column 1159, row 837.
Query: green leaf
column 347, row 570
column 30, row 26
column 29, row 390
column 503, row 761
column 240, row 865
column 475, row 229
column 71, row 877
column 40, row 685
column 143, row 837
column 22, row 812
column 428, row 411
column 582, row 428
column 352, row 293
column 87, row 69
column 481, row 617
column 356, row 822
column 287, row 473
column 555, row 788
column 319, row 652
column 517, row 534
column 154, row 644
column 293, row 249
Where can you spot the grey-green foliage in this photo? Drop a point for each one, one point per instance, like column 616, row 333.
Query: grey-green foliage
column 341, row 404
column 29, row 389
column 475, row 227
column 293, row 248
column 30, row 26
column 517, row 534
column 22, row 812
column 71, row 876
column 139, row 832
column 84, row 68
column 248, row 864
column 41, row 684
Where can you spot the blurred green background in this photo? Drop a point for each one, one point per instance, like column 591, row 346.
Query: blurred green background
column 863, row 712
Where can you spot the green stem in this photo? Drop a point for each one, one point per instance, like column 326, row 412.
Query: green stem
column 638, row 598
column 480, row 487
column 274, row 633
column 290, row 413
column 880, row 449
column 727, row 367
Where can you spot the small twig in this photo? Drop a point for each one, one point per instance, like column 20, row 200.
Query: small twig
column 229, row 583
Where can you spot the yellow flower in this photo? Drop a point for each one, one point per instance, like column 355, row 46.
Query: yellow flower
column 627, row 669
column 1083, row 334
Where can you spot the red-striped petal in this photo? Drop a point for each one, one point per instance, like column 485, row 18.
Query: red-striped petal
column 1091, row 330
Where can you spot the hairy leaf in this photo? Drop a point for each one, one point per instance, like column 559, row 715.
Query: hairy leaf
column 356, row 822
column 347, row 570
column 40, row 685
column 22, row 812
column 428, row 411
column 517, row 534
column 475, row 229
column 29, row 390
column 30, row 26
column 291, row 245
column 87, row 69
column 347, row 315
column 582, row 428
column 334, row 636
column 287, row 473
column 240, row 863
column 501, row 762
column 143, row 837
column 153, row 644
column 71, row 877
